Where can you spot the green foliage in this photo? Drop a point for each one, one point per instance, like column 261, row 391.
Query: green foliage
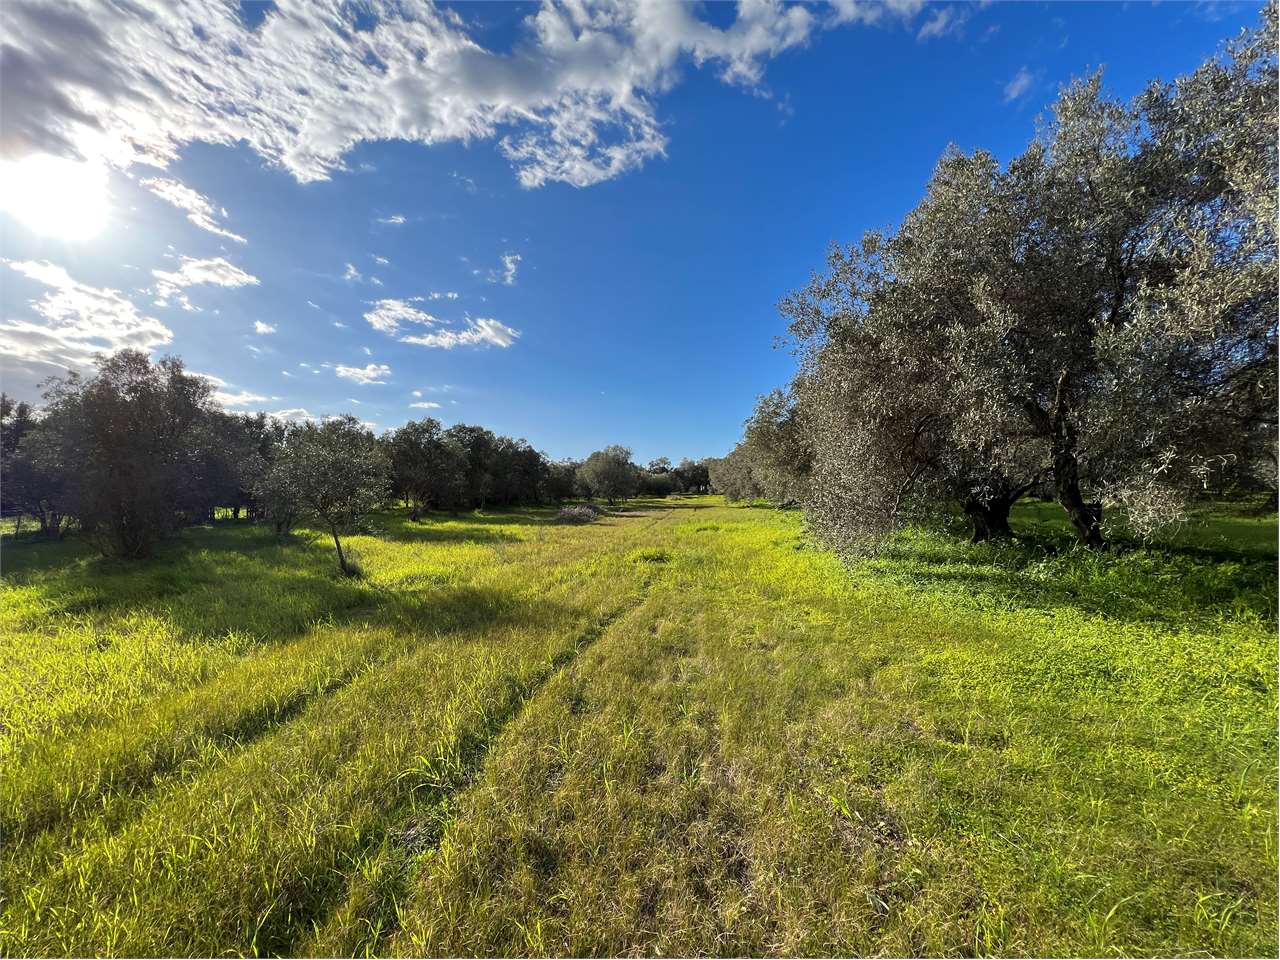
column 678, row 730
column 1098, row 314
column 334, row 473
column 609, row 473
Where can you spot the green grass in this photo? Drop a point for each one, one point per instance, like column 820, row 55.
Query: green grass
column 680, row 730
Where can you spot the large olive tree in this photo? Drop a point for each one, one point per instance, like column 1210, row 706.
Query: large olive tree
column 1100, row 312
column 120, row 450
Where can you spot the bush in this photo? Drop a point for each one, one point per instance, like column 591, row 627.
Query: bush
column 579, row 513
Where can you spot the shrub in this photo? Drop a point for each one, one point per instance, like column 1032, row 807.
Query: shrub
column 579, row 513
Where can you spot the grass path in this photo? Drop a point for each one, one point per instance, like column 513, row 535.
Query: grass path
column 676, row 731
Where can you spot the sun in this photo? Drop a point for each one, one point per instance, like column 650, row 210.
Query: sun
column 55, row 197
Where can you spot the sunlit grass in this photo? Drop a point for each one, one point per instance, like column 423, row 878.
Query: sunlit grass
column 681, row 729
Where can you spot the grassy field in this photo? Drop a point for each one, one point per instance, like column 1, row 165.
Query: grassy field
column 680, row 730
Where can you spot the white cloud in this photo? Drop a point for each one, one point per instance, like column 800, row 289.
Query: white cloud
column 479, row 331
column 425, row 405
column 312, row 303
column 388, row 315
column 76, row 321
column 381, row 261
column 510, row 264
column 263, row 328
column 242, row 399
column 573, row 101
column 1018, row 86
column 215, row 271
column 372, row 373
column 293, row 413
column 395, row 220
column 873, row 11
column 942, row 21
column 199, row 208
column 352, row 273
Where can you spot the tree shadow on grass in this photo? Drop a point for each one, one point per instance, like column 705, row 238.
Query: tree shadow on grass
column 1187, row 579
column 211, row 713
column 427, row 532
column 213, row 582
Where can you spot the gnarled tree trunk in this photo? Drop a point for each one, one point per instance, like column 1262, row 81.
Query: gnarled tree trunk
column 990, row 519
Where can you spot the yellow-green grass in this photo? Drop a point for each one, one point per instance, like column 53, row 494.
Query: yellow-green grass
column 682, row 729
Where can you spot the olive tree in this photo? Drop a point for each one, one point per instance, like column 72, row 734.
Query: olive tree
column 777, row 445
column 1100, row 312
column 120, row 451
column 609, row 473
column 334, row 472
column 733, row 476
column 692, row 476
column 426, row 468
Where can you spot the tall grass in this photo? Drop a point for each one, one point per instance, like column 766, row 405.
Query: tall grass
column 681, row 729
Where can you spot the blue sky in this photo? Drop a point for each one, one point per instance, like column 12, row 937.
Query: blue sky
column 569, row 226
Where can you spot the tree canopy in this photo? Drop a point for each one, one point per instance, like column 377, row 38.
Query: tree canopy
column 1097, row 316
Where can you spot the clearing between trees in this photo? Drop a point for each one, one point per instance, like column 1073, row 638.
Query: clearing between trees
column 679, row 729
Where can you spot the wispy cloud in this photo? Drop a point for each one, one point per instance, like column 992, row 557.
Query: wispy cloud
column 241, row 399
column 263, row 328
column 214, row 271
column 389, row 315
column 1019, row 85
column 293, row 413
column 481, row 331
column 943, row 21
column 507, row 276
column 426, row 405
column 395, row 220
column 200, row 209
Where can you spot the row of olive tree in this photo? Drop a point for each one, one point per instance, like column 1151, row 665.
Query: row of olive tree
column 140, row 449
column 1096, row 319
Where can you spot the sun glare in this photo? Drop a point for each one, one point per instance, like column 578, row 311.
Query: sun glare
column 55, row 197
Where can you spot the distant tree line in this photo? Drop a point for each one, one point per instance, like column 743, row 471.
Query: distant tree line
column 1095, row 321
column 139, row 449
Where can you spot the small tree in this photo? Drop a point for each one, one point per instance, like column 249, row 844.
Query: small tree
column 334, row 472
column 609, row 473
